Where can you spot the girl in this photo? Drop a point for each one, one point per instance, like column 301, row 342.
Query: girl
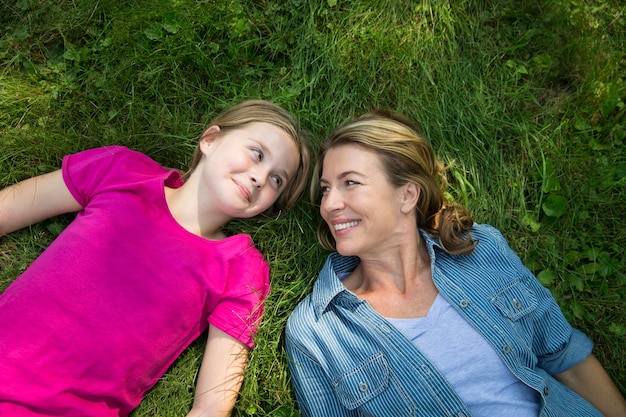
column 144, row 269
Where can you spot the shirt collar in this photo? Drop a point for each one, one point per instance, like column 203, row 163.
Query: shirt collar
column 328, row 284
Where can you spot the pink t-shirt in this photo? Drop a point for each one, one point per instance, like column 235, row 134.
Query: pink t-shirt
column 93, row 323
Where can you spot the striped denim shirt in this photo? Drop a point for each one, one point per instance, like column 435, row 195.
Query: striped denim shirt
column 345, row 359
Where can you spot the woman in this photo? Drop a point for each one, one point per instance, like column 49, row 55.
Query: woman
column 421, row 311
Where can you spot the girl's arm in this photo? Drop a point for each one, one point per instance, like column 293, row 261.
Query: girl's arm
column 34, row 200
column 220, row 376
column 589, row 380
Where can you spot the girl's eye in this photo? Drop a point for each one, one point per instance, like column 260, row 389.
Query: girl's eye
column 278, row 181
column 258, row 154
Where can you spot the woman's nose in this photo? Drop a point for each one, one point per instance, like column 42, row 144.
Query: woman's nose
column 332, row 201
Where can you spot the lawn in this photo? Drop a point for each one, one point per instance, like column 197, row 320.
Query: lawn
column 524, row 99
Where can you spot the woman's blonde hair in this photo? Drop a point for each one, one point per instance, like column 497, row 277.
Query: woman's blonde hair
column 265, row 112
column 406, row 156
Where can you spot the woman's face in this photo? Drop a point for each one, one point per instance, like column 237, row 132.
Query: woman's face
column 364, row 211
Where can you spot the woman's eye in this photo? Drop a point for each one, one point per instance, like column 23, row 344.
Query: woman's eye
column 324, row 190
column 350, row 182
column 257, row 154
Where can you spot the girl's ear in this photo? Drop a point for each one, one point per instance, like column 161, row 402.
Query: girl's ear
column 410, row 196
column 208, row 137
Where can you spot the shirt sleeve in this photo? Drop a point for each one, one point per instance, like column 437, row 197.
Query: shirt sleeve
column 242, row 303
column 95, row 170
column 83, row 171
column 557, row 345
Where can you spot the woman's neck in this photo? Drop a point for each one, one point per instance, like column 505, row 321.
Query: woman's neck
column 398, row 283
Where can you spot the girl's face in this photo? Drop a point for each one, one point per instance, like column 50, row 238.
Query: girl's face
column 246, row 169
column 364, row 211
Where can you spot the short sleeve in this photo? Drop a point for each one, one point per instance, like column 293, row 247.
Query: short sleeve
column 241, row 306
column 96, row 170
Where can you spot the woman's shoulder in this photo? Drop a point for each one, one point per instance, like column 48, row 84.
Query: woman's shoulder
column 489, row 237
column 485, row 230
column 310, row 311
column 303, row 318
column 491, row 249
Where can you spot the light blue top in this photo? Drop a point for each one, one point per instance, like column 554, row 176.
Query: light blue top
column 347, row 360
column 460, row 353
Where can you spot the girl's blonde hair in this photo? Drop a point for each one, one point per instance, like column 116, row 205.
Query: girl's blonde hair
column 265, row 112
column 406, row 156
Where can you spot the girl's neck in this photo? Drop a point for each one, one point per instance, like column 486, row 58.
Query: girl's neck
column 184, row 207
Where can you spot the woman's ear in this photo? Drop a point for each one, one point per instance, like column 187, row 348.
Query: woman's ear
column 410, row 196
column 208, row 137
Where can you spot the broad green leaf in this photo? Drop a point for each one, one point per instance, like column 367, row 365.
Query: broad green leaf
column 578, row 309
column 608, row 267
column 554, row 205
column 529, row 221
column 572, row 257
column 576, row 281
column 590, row 268
column 546, row 277
column 154, row 32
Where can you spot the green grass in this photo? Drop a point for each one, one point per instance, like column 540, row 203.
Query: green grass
column 527, row 99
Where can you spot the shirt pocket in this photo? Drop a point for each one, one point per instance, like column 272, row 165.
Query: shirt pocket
column 514, row 301
column 362, row 383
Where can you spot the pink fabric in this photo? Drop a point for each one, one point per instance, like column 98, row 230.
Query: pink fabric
column 92, row 324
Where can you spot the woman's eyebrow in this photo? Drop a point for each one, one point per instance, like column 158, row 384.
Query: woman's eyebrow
column 343, row 175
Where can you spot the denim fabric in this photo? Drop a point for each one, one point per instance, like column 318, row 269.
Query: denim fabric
column 347, row 360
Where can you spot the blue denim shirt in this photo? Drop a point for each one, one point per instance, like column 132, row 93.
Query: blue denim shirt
column 345, row 359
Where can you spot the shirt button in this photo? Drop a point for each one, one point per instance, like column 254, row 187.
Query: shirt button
column 517, row 304
column 461, row 414
column 426, row 369
column 385, row 328
column 362, row 386
column 546, row 390
column 506, row 349
column 464, row 303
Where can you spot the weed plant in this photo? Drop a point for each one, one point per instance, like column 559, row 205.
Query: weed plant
column 524, row 99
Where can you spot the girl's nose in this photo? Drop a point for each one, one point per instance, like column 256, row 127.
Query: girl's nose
column 258, row 178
